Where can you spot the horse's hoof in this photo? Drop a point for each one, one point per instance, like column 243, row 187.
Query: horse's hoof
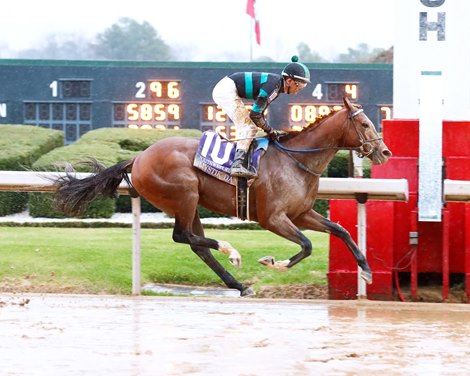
column 247, row 292
column 271, row 263
column 234, row 257
column 266, row 261
column 366, row 276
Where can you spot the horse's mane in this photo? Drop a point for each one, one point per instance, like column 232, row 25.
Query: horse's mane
column 310, row 126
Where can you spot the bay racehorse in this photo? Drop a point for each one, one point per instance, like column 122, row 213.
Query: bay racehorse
column 281, row 198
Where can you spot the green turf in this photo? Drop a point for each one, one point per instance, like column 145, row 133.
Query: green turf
column 98, row 260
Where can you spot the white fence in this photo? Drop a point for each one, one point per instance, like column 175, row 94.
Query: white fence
column 456, row 190
column 329, row 188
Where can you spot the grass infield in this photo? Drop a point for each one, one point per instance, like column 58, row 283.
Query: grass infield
column 98, row 260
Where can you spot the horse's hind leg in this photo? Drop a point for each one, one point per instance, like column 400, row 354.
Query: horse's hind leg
column 194, row 236
column 311, row 220
column 283, row 226
column 183, row 233
column 205, row 255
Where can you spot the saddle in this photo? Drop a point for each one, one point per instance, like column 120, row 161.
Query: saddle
column 215, row 156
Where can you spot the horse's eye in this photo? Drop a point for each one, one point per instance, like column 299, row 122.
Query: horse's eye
column 365, row 125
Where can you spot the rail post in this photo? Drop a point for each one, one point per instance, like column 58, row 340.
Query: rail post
column 136, row 249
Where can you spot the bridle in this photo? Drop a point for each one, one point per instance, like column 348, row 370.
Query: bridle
column 361, row 149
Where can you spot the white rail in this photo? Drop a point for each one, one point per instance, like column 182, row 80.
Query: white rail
column 457, row 190
column 38, row 181
column 376, row 189
column 329, row 188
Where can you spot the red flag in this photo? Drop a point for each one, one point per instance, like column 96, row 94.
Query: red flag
column 251, row 11
column 250, row 8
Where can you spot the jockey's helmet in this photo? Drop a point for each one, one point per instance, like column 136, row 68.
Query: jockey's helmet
column 297, row 71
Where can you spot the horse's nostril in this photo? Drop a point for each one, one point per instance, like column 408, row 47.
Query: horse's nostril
column 387, row 153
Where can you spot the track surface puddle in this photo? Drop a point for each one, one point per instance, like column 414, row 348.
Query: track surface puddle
column 108, row 335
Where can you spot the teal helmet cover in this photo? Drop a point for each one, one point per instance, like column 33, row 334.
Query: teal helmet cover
column 297, row 71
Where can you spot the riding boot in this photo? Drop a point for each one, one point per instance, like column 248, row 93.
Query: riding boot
column 237, row 166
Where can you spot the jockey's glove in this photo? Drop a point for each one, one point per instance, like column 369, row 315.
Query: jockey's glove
column 273, row 134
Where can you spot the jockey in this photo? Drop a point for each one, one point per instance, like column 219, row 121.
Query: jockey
column 263, row 88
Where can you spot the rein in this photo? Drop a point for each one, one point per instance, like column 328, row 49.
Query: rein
column 299, row 164
column 283, row 148
column 360, row 149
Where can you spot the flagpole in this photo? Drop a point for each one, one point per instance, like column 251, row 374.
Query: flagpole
column 252, row 26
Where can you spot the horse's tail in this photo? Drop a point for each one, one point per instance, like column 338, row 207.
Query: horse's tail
column 73, row 195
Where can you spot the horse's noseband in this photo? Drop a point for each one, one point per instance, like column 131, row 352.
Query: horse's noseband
column 365, row 149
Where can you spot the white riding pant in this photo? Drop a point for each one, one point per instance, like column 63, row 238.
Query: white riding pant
column 226, row 96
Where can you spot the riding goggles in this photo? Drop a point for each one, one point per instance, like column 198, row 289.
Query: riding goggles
column 300, row 84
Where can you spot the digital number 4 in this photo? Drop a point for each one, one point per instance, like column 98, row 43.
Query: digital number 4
column 317, row 93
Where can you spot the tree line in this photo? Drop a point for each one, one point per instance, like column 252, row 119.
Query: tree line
column 128, row 39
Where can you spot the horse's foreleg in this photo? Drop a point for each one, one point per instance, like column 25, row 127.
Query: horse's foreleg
column 204, row 253
column 313, row 221
column 283, row 226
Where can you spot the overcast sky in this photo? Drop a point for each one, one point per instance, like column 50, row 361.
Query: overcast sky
column 210, row 30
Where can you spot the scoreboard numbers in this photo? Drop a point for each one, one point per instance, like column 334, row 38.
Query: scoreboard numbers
column 162, row 110
column 76, row 97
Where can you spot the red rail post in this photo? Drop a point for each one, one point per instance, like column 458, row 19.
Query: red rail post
column 467, row 252
column 445, row 254
column 414, row 239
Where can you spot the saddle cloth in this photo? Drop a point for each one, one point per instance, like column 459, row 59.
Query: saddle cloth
column 215, row 155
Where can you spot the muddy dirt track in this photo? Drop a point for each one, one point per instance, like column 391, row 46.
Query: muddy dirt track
column 108, row 335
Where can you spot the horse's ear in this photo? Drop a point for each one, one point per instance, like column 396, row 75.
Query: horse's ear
column 348, row 104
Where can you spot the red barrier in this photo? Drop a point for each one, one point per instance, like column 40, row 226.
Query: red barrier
column 443, row 247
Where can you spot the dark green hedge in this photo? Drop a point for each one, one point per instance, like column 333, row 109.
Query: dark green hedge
column 124, row 205
column 109, row 146
column 82, row 224
column 40, row 205
column 339, row 166
column 26, row 147
column 12, row 202
column 20, row 147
